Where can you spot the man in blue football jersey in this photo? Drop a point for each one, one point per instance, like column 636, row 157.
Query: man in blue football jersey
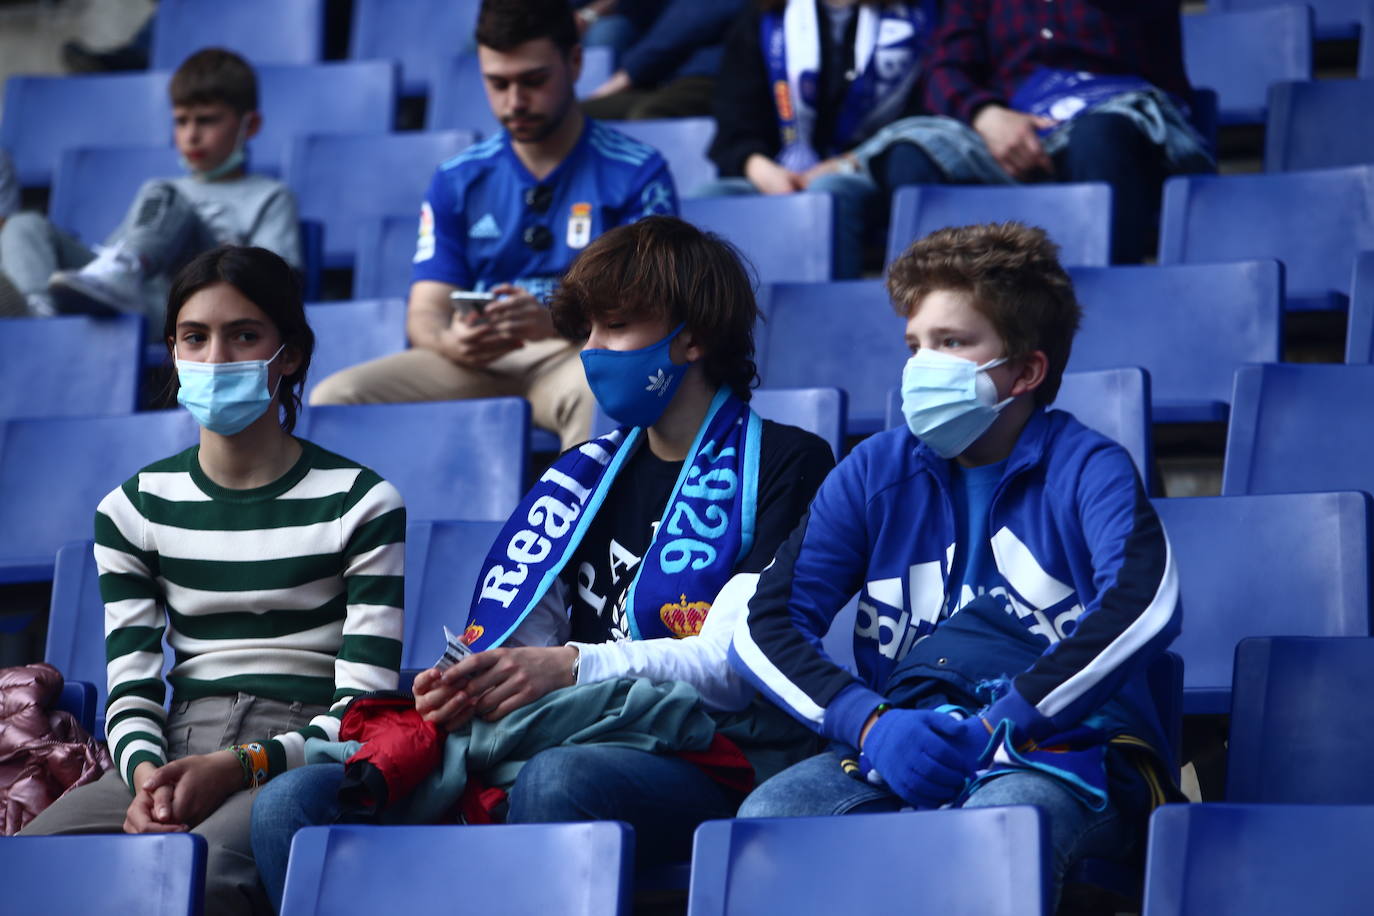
column 507, row 216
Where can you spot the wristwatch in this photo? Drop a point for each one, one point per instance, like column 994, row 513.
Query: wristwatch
column 577, row 663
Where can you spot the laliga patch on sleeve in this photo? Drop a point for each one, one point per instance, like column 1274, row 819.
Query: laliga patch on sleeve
column 424, row 244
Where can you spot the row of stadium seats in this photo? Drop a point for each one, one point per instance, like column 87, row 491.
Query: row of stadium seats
column 1297, row 809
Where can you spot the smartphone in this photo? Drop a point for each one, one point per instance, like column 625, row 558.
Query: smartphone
column 467, row 301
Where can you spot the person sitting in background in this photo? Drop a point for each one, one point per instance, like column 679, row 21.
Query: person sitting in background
column 274, row 567
column 805, row 82
column 669, row 67
column 1014, row 582
column 214, row 97
column 1075, row 90
column 507, row 217
column 606, row 575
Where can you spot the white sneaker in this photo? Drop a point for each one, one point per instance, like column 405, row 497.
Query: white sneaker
column 112, row 284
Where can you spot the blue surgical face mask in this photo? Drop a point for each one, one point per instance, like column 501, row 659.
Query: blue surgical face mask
column 948, row 401
column 634, row 387
column 230, row 163
column 225, row 398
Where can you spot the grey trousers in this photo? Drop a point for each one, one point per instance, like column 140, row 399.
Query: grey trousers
column 33, row 249
column 194, row 727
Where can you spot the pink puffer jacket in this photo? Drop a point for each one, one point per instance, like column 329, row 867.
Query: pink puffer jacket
column 43, row 753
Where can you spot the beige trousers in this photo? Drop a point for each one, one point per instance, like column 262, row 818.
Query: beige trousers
column 548, row 373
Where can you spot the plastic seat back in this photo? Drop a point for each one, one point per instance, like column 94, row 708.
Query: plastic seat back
column 1283, row 687
column 786, row 239
column 1261, row 860
column 45, row 115
column 398, row 169
column 1190, row 326
column 1078, row 217
column 386, row 251
column 44, row 381
column 844, row 334
column 261, row 31
column 683, row 143
column 1314, row 222
column 769, row 865
column 94, row 187
column 54, row 472
column 349, row 333
column 1275, row 565
column 443, row 560
column 1240, row 54
column 449, row 459
column 335, row 97
column 1310, row 126
column 578, row 869
column 154, row 874
column 1359, row 332
column 420, row 35
column 1334, row 18
column 1292, row 430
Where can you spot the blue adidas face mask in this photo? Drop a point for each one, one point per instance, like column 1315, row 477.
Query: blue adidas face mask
column 225, row 398
column 634, row 387
column 949, row 402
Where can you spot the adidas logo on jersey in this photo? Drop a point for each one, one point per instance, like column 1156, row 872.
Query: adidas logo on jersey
column 485, row 228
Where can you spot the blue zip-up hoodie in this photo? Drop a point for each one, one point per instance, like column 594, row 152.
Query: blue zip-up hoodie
column 1086, row 560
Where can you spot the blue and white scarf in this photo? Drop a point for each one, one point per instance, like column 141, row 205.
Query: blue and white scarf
column 887, row 47
column 1063, row 95
column 707, row 527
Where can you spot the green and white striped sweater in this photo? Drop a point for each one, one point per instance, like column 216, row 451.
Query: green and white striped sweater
column 292, row 591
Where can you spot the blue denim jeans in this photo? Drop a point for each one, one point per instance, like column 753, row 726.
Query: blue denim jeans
column 663, row 797
column 818, row 786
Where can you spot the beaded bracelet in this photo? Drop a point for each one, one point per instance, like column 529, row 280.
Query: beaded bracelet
column 258, row 765
column 245, row 763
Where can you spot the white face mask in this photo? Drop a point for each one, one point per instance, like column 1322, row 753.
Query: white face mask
column 949, row 401
column 231, row 162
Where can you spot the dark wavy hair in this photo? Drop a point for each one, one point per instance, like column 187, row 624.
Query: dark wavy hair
column 268, row 282
column 504, row 25
column 662, row 267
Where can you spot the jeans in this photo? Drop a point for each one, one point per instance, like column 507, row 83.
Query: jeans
column 817, row 786
column 663, row 797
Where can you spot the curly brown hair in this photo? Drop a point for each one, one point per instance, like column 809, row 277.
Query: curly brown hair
column 1012, row 274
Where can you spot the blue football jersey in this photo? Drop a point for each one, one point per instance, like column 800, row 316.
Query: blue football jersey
column 480, row 224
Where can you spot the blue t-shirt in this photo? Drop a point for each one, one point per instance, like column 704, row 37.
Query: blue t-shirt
column 474, row 220
column 974, row 569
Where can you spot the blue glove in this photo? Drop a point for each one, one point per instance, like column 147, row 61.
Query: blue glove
column 914, row 752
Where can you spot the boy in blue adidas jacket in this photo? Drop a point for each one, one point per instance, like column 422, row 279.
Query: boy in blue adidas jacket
column 1014, row 581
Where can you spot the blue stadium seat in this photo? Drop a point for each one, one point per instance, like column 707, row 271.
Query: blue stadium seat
column 1311, row 127
column 869, row 863
column 1314, row 222
column 1115, row 402
column 155, row 874
column 1190, row 326
column 335, row 97
column 1359, row 332
column 349, row 333
column 861, row 346
column 442, row 563
column 54, row 472
column 449, row 459
column 1240, row 54
column 578, row 869
column 94, row 187
column 386, row 250
column 804, row 253
column 458, row 97
column 121, row 108
column 1292, row 430
column 70, row 367
column 1334, row 18
column 398, row 168
column 1078, row 217
column 261, row 31
column 683, row 143
column 1274, row 565
column 1260, row 860
column 816, row 410
column 421, row 35
column 78, row 698
column 1278, row 754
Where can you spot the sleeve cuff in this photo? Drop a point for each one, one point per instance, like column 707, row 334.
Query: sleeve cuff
column 846, row 714
column 967, row 108
column 1025, row 719
column 592, row 662
column 132, row 764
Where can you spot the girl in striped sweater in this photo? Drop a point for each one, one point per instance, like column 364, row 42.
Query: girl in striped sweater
column 274, row 569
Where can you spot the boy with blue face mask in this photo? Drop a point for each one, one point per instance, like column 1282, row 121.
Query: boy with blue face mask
column 214, row 95
column 1014, row 582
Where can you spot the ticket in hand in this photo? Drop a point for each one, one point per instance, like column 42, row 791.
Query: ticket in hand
column 455, row 651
